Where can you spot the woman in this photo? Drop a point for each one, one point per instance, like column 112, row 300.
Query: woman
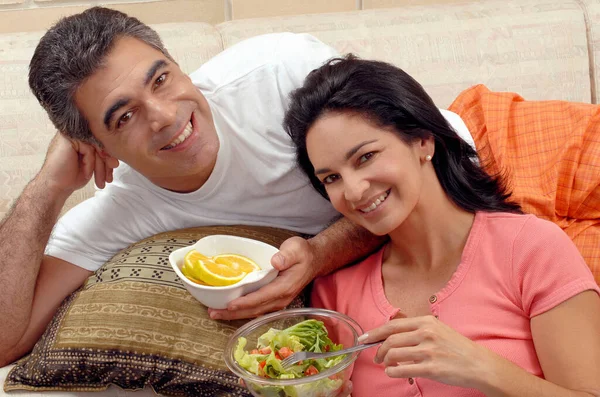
column 470, row 296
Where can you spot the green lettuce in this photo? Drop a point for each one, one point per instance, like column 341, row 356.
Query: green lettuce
column 309, row 335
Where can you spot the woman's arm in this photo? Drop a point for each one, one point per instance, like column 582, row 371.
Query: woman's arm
column 567, row 342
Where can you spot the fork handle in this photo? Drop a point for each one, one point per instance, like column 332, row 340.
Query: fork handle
column 358, row 348
column 352, row 349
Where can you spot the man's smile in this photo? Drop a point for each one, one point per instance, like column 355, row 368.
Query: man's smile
column 180, row 138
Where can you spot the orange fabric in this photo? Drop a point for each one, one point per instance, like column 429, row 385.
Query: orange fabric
column 549, row 152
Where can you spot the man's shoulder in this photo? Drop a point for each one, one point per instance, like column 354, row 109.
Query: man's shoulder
column 271, row 52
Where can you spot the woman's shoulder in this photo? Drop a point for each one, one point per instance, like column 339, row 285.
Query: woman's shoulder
column 530, row 238
column 520, row 225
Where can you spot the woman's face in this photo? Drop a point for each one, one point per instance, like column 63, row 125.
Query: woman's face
column 371, row 176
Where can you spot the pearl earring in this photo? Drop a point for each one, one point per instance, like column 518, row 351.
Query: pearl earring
column 428, row 157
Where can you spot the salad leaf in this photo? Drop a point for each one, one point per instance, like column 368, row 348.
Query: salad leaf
column 265, row 360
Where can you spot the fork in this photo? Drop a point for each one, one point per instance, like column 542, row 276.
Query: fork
column 300, row 356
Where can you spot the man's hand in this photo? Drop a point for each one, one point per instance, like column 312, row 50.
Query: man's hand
column 299, row 261
column 297, row 268
column 69, row 165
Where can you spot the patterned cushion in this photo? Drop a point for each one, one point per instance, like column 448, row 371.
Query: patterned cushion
column 133, row 324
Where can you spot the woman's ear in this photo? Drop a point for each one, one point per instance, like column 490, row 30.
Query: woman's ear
column 426, row 148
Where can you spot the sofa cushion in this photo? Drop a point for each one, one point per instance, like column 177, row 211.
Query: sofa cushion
column 24, row 126
column 550, row 153
column 535, row 47
column 133, row 324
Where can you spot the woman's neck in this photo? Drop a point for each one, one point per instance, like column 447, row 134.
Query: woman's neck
column 432, row 237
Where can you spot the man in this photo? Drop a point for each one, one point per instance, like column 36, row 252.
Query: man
column 205, row 150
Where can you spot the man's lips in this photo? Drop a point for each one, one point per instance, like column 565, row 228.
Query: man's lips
column 181, row 137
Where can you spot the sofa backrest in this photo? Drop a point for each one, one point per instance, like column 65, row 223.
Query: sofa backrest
column 538, row 48
column 591, row 12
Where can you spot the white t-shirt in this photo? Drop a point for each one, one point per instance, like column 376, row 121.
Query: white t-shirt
column 255, row 180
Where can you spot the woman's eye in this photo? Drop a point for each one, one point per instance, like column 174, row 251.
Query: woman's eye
column 329, row 179
column 124, row 118
column 365, row 157
column 160, row 80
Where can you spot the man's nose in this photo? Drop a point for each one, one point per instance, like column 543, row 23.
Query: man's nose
column 162, row 112
column 355, row 188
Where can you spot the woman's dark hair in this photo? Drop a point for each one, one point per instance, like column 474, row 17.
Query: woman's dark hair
column 389, row 98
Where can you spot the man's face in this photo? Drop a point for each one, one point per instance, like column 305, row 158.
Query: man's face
column 146, row 112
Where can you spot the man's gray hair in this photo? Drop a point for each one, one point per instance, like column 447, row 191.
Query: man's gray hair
column 70, row 52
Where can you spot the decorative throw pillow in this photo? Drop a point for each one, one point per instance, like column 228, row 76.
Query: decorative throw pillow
column 134, row 325
column 550, row 152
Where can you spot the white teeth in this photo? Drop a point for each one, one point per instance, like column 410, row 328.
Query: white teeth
column 181, row 138
column 375, row 204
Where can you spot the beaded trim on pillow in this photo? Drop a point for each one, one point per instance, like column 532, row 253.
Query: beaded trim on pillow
column 134, row 325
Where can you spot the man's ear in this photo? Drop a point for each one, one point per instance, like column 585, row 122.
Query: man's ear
column 110, row 161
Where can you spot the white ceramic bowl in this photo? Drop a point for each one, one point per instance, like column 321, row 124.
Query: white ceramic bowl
column 219, row 297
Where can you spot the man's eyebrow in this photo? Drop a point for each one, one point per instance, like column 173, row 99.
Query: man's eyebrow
column 152, row 71
column 123, row 102
column 110, row 112
column 349, row 154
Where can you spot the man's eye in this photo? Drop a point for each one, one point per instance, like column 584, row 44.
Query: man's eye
column 329, row 179
column 160, row 80
column 124, row 119
column 365, row 157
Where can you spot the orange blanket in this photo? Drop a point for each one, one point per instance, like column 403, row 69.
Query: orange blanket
column 549, row 152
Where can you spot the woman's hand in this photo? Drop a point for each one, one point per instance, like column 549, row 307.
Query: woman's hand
column 424, row 347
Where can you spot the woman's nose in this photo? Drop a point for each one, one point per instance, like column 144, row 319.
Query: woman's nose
column 354, row 188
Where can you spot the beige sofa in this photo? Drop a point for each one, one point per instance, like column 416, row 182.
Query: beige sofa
column 542, row 49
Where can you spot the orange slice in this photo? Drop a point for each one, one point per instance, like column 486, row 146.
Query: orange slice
column 217, row 274
column 235, row 261
column 190, row 266
column 192, row 256
column 188, row 274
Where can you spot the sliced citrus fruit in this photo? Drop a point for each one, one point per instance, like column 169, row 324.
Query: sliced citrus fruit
column 237, row 262
column 217, row 274
column 193, row 256
column 188, row 274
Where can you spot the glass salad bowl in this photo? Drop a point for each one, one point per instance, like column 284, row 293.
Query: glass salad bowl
column 256, row 349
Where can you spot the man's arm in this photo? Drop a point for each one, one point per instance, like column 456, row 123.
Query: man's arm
column 32, row 285
column 55, row 281
column 299, row 262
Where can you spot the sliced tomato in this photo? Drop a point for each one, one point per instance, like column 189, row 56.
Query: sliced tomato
column 277, row 356
column 261, row 369
column 285, row 352
column 265, row 350
column 311, row 370
column 254, row 351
